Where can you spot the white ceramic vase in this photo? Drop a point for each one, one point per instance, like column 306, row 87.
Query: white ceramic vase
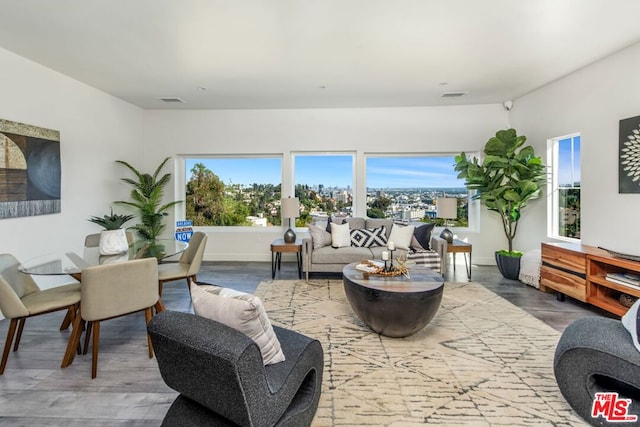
column 113, row 242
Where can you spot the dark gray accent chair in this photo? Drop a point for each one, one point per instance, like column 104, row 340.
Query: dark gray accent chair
column 596, row 354
column 222, row 381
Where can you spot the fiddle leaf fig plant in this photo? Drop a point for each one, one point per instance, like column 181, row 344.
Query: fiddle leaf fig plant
column 146, row 197
column 509, row 176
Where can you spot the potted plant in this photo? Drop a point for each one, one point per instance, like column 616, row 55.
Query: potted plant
column 509, row 176
column 113, row 239
column 146, row 197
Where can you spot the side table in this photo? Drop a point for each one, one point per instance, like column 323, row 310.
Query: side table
column 458, row 246
column 278, row 247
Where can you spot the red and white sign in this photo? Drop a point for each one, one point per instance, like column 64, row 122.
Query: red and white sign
column 612, row 408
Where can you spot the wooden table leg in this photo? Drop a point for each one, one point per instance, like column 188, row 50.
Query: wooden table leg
column 74, row 340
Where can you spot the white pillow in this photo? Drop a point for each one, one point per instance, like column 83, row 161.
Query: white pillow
column 240, row 311
column 401, row 236
column 340, row 236
column 631, row 322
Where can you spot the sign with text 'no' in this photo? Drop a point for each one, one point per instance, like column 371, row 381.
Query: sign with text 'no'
column 184, row 230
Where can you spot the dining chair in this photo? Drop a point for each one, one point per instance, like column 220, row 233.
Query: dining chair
column 93, row 240
column 189, row 264
column 20, row 298
column 109, row 291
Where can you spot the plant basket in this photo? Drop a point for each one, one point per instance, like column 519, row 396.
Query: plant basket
column 509, row 266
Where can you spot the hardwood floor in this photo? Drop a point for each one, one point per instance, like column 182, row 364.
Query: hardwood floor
column 34, row 391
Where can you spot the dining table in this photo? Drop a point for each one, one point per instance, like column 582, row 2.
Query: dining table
column 72, row 263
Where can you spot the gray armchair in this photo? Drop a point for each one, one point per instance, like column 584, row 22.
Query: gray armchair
column 595, row 355
column 222, row 381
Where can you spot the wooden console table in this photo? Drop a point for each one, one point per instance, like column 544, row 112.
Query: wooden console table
column 580, row 271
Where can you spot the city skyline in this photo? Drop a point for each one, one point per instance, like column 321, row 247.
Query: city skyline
column 336, row 171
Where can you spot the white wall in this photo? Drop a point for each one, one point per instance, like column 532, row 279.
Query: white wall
column 95, row 129
column 372, row 130
column 591, row 101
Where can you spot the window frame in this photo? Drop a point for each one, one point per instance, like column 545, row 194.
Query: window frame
column 553, row 207
column 352, row 154
column 181, row 184
column 473, row 205
column 288, row 164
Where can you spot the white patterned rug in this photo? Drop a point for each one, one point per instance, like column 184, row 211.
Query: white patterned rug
column 480, row 362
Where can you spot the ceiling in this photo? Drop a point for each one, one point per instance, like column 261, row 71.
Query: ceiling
column 237, row 54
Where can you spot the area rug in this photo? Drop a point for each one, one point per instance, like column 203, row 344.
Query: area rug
column 480, row 362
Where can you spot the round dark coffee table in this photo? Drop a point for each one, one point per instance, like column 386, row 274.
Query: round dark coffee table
column 394, row 306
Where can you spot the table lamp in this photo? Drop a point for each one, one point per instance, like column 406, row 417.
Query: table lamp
column 290, row 208
column 447, row 208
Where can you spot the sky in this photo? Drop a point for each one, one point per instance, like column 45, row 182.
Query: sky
column 565, row 177
column 337, row 171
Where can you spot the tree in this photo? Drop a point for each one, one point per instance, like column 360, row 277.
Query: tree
column 382, row 203
column 375, row 213
column 205, row 196
column 211, row 202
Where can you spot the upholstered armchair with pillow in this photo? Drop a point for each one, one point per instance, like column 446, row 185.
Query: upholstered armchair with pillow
column 329, row 249
column 222, row 379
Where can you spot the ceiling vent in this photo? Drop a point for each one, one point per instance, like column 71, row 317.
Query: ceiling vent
column 453, row 94
column 172, row 100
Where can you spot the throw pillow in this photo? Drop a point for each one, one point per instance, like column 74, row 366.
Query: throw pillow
column 371, row 223
column 240, row 311
column 328, row 228
column 421, row 240
column 319, row 236
column 401, row 236
column 340, row 237
column 631, row 322
column 364, row 238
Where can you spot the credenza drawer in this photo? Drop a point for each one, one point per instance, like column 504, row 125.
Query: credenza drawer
column 564, row 259
column 565, row 282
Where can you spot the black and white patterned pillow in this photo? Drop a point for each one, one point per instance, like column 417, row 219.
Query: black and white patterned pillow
column 364, row 238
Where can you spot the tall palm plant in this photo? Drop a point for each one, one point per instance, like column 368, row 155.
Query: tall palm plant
column 146, row 195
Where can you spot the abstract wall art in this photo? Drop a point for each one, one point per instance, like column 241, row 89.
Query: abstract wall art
column 30, row 170
column 629, row 164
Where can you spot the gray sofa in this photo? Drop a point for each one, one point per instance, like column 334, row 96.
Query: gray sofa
column 333, row 260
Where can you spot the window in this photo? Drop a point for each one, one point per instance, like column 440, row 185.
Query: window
column 324, row 185
column 406, row 188
column 233, row 191
column 564, row 210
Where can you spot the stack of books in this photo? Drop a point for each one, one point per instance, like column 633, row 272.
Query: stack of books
column 626, row 279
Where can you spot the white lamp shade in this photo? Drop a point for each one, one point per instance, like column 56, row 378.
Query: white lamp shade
column 290, row 207
column 447, row 207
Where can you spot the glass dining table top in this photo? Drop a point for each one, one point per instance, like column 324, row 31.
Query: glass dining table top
column 73, row 263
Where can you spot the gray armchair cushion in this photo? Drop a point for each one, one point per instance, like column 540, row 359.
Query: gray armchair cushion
column 596, row 354
column 221, row 378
